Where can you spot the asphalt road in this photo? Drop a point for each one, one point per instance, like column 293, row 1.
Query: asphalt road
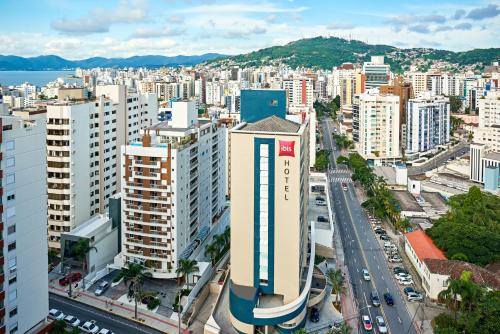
column 457, row 151
column 103, row 319
column 362, row 250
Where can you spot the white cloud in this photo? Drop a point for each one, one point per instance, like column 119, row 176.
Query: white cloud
column 241, row 8
column 100, row 19
column 157, row 32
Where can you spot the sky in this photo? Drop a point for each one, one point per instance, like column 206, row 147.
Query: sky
column 77, row 29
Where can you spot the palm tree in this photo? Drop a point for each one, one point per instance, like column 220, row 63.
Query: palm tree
column 80, row 251
column 227, row 235
column 337, row 281
column 134, row 274
column 187, row 267
column 213, row 251
column 450, row 295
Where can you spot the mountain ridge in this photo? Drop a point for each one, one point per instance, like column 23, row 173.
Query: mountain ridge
column 327, row 52
column 54, row 62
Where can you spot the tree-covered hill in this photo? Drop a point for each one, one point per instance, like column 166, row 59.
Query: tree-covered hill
column 327, row 52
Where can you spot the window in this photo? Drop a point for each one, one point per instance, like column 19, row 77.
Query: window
column 9, row 145
column 13, row 312
column 11, row 229
column 10, row 162
column 10, row 197
column 11, row 246
column 12, row 295
column 9, row 179
column 14, row 329
column 13, row 279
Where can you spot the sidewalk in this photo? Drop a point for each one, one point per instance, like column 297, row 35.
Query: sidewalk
column 146, row 318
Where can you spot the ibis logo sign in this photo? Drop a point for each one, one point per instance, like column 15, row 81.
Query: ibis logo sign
column 287, row 148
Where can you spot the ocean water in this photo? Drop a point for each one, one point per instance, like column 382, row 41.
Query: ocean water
column 37, row 78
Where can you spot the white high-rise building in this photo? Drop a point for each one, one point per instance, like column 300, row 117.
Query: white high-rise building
column 427, row 123
column 83, row 149
column 376, row 73
column 378, row 116
column 418, row 82
column 24, row 282
column 488, row 131
column 300, row 93
column 173, row 189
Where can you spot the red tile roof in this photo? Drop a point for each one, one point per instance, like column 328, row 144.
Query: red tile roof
column 423, row 246
column 454, row 269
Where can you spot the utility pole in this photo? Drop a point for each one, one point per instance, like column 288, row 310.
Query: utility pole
column 68, row 271
column 179, row 311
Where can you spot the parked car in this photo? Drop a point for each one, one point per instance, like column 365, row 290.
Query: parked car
column 408, row 290
column 414, row 297
column 314, row 316
column 397, row 270
column 366, row 275
column 70, row 278
column 72, row 321
column 101, row 288
column 382, row 327
column 322, row 219
column 405, row 281
column 320, row 201
column 89, row 327
column 367, row 323
column 384, row 237
column 56, row 314
column 106, row 331
column 375, row 298
column 344, row 186
column 388, row 299
column 380, row 231
column 402, row 275
column 395, row 259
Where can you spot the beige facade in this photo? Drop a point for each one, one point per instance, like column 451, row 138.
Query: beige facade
column 277, row 213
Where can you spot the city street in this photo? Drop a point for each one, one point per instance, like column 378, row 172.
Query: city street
column 103, row 319
column 362, row 250
column 456, row 151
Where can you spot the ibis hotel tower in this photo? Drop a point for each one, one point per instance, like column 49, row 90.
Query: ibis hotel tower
column 271, row 257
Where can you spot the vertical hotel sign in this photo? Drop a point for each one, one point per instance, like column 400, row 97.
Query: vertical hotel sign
column 286, row 149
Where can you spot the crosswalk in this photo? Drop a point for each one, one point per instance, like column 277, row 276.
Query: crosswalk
column 341, row 179
column 339, row 171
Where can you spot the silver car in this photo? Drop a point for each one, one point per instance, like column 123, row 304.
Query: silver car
column 382, row 327
column 103, row 286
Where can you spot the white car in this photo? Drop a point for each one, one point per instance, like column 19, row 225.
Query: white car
column 382, row 327
column 402, row 275
column 89, row 327
column 106, row 331
column 414, row 297
column 405, row 281
column 72, row 321
column 366, row 275
column 56, row 314
column 395, row 259
column 103, row 286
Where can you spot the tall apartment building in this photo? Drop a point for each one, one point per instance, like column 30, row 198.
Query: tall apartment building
column 173, row 188
column 405, row 92
column 376, row 73
column 83, row 148
column 488, row 131
column 300, row 93
column 378, row 122
column 427, row 123
column 418, row 81
column 271, row 268
column 23, row 207
column 347, row 91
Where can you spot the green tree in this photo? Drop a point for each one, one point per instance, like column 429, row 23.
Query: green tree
column 300, row 331
column 455, row 103
column 59, row 327
column 337, row 281
column 471, row 227
column 321, row 163
column 343, row 329
column 81, row 250
column 133, row 275
column 186, row 267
